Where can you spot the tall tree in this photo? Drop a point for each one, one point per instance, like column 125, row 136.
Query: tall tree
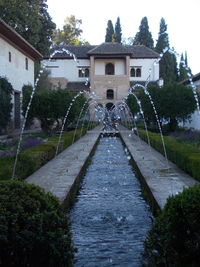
column 109, row 32
column 184, row 70
column 31, row 20
column 117, row 36
column 71, row 32
column 144, row 36
column 163, row 38
column 168, row 62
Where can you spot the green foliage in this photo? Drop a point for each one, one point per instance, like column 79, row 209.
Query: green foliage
column 6, row 91
column 33, row 158
column 177, row 104
column 174, row 239
column 31, row 20
column 71, row 32
column 168, row 68
column 168, row 62
column 173, row 103
column 117, row 36
column 109, row 32
column 185, row 156
column 184, row 71
column 144, row 36
column 51, row 106
column 163, row 39
column 34, row 230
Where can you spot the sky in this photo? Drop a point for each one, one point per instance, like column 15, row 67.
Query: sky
column 181, row 16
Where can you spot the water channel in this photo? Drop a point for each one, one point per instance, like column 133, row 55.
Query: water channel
column 110, row 218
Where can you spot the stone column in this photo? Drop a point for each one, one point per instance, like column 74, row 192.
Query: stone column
column 92, row 72
column 128, row 66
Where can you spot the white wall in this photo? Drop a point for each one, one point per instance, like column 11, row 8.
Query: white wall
column 145, row 64
column 68, row 69
column 15, row 70
column 101, row 63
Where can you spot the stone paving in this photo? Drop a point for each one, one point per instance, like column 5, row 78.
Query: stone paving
column 163, row 178
column 59, row 174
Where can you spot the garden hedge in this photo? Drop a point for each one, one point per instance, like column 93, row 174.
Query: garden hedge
column 174, row 239
column 34, row 231
column 185, row 156
column 31, row 159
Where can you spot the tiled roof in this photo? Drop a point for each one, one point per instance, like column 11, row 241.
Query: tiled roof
column 8, row 33
column 106, row 49
column 80, row 51
column 141, row 51
column 195, row 78
column 109, row 48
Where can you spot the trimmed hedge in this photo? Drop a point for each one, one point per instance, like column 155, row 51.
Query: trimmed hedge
column 183, row 155
column 33, row 158
column 174, row 239
column 34, row 231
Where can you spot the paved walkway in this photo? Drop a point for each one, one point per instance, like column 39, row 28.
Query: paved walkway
column 60, row 175
column 163, row 177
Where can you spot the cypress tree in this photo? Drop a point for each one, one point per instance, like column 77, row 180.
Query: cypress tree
column 144, row 36
column 168, row 62
column 117, row 37
column 109, row 32
column 184, row 70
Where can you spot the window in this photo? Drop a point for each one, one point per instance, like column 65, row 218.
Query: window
column 83, row 72
column 132, row 72
column 26, row 63
column 9, row 57
column 110, row 69
column 136, row 72
column 110, row 94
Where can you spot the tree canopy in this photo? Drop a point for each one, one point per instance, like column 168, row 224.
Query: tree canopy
column 70, row 33
column 173, row 102
column 117, row 36
column 144, row 36
column 6, row 91
column 31, row 20
column 109, row 31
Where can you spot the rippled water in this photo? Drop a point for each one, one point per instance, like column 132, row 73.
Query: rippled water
column 110, row 219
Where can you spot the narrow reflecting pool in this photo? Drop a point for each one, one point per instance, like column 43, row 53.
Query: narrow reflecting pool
column 109, row 219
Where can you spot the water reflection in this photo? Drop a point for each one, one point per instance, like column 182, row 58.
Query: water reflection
column 110, row 219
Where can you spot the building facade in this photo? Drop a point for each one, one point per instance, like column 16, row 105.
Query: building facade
column 195, row 118
column 17, row 58
column 108, row 70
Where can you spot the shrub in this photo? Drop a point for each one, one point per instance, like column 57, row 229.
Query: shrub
column 33, row 229
column 174, row 239
column 32, row 158
column 6, row 91
column 185, row 156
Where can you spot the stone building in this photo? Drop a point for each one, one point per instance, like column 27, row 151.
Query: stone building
column 17, row 58
column 108, row 69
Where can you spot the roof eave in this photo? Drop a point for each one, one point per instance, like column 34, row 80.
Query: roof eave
column 9, row 34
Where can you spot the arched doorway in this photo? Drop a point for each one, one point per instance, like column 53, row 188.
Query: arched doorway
column 110, row 106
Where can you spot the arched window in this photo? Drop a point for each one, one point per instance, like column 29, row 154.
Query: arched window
column 9, row 57
column 110, row 106
column 86, row 72
column 110, row 69
column 26, row 63
column 132, row 72
column 138, row 72
column 110, row 94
